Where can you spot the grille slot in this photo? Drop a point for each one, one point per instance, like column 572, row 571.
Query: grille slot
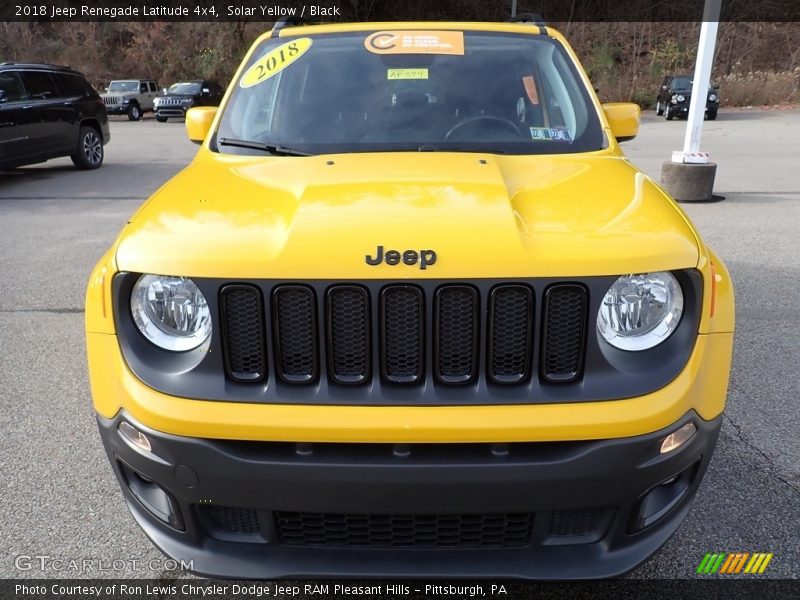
column 230, row 520
column 564, row 330
column 402, row 333
column 456, row 332
column 426, row 531
column 579, row 526
column 510, row 333
column 348, row 334
column 243, row 332
column 295, row 333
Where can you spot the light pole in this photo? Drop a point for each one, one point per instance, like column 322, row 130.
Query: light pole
column 689, row 176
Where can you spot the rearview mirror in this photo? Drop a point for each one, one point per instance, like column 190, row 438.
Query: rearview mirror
column 623, row 118
column 198, row 122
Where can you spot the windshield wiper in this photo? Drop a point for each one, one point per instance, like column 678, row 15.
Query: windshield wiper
column 271, row 148
column 457, row 148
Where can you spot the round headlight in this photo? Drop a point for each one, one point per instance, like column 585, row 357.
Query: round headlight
column 640, row 311
column 712, row 97
column 171, row 312
column 680, row 97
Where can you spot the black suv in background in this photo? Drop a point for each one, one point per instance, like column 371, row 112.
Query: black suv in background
column 183, row 95
column 48, row 111
column 676, row 93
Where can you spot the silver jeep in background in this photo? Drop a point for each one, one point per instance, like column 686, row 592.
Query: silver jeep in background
column 132, row 97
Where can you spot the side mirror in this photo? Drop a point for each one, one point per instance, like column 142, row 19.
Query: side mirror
column 623, row 118
column 198, row 122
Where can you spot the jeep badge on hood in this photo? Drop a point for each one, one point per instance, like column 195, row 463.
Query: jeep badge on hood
column 409, row 257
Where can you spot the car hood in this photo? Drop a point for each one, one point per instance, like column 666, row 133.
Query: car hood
column 484, row 216
column 180, row 96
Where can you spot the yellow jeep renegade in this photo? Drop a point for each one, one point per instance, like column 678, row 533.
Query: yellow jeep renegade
column 410, row 312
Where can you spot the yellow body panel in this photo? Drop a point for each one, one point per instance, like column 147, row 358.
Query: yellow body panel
column 486, row 216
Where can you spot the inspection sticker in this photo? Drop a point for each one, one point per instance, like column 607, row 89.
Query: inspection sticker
column 550, row 134
column 416, row 42
column 275, row 61
column 407, row 74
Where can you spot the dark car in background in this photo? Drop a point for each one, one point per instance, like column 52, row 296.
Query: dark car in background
column 48, row 111
column 676, row 94
column 183, row 95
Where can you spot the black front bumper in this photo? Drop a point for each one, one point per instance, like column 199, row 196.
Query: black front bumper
column 682, row 108
column 578, row 510
column 172, row 112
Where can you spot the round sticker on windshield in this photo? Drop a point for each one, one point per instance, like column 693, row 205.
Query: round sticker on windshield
column 275, row 61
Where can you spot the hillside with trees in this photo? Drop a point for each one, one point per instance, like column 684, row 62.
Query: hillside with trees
column 756, row 63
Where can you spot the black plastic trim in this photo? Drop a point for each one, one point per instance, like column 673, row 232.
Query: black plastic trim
column 545, row 478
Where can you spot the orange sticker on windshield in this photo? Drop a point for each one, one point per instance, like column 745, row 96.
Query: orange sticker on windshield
column 416, row 42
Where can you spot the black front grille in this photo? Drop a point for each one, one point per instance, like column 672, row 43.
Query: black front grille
column 295, row 324
column 434, row 531
column 349, row 334
column 243, row 332
column 402, row 330
column 396, row 333
column 564, row 330
column 510, row 331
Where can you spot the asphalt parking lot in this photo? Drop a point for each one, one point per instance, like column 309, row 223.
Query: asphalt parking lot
column 58, row 497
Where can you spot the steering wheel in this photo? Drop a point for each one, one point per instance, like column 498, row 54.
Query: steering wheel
column 506, row 123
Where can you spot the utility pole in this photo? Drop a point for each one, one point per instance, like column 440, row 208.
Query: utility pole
column 689, row 176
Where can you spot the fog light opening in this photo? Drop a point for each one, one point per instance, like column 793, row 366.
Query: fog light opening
column 153, row 498
column 134, row 436
column 678, row 438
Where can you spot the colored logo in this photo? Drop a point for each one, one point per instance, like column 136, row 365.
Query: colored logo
column 734, row 563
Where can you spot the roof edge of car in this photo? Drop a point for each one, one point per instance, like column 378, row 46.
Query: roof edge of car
column 28, row 65
column 527, row 23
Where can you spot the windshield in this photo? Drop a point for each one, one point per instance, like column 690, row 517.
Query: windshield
column 686, row 83
column 123, row 86
column 414, row 91
column 682, row 83
column 185, row 88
